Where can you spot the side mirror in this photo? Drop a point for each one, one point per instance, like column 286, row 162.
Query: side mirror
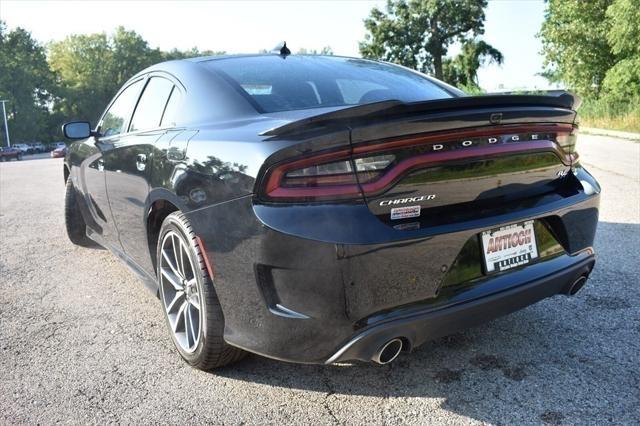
column 77, row 130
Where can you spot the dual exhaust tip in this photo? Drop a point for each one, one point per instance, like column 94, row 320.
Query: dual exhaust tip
column 388, row 352
column 575, row 287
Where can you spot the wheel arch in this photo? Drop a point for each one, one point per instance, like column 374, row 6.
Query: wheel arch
column 158, row 211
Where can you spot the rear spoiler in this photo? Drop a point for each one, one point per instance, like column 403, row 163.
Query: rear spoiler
column 553, row 99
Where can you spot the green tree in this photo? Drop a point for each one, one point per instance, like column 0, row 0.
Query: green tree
column 26, row 83
column 574, row 43
column 462, row 71
column 175, row 54
column 91, row 69
column 418, row 33
column 622, row 81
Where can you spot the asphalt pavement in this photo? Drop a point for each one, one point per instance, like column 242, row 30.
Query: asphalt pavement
column 82, row 341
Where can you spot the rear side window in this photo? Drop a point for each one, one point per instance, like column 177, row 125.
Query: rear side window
column 170, row 111
column 115, row 119
column 152, row 104
column 272, row 83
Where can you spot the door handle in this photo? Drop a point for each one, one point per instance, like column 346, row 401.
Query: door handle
column 141, row 162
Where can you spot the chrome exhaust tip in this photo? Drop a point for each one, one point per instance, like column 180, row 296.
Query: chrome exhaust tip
column 388, row 352
column 577, row 285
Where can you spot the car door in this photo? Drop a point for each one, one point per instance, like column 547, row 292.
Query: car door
column 128, row 169
column 97, row 148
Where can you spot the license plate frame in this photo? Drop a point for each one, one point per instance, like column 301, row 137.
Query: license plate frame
column 508, row 247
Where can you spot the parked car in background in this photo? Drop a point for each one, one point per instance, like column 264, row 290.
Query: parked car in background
column 55, row 145
column 38, row 147
column 7, row 154
column 59, row 152
column 22, row 147
column 324, row 209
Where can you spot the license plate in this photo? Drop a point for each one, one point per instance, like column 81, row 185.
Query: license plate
column 509, row 246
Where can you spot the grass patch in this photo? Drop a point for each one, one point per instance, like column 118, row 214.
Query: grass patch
column 605, row 114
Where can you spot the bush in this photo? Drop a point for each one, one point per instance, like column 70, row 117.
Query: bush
column 611, row 113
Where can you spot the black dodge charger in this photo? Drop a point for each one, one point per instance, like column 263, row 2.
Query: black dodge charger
column 327, row 209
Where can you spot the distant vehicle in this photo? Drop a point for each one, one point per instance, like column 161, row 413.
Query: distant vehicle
column 7, row 154
column 55, row 145
column 38, row 147
column 322, row 209
column 23, row 147
column 59, row 152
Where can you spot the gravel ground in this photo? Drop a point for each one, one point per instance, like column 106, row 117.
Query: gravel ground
column 82, row 341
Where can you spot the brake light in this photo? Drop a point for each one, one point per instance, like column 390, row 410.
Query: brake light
column 373, row 167
column 567, row 140
column 317, row 179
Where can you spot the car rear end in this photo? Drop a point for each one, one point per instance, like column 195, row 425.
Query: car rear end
column 382, row 226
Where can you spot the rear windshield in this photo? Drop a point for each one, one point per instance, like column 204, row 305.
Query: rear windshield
column 272, row 83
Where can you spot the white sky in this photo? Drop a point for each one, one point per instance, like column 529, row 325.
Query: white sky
column 248, row 26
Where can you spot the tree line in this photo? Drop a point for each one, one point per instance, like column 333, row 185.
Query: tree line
column 591, row 47
column 73, row 78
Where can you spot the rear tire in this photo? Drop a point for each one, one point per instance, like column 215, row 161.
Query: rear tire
column 76, row 227
column 191, row 307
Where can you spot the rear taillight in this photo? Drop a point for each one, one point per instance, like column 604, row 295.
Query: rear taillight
column 371, row 168
column 318, row 180
column 567, row 140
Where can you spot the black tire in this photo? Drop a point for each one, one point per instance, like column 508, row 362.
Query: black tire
column 19, row 157
column 211, row 351
column 76, row 227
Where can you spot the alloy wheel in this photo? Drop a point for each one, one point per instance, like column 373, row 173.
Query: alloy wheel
column 179, row 290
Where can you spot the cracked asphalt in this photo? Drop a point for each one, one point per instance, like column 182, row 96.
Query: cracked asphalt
column 83, row 342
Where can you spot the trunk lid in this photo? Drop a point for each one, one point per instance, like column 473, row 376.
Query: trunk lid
column 466, row 159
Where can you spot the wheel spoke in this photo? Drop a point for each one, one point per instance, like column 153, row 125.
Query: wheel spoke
column 187, row 323
column 170, row 262
column 194, row 335
column 179, row 295
column 180, row 317
column 195, row 301
column 176, row 255
column 173, row 279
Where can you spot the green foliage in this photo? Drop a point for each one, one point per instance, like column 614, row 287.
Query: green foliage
column 594, row 48
column 622, row 81
column 418, row 33
column 26, row 83
column 604, row 114
column 624, row 36
column 175, row 54
column 462, row 71
column 91, row 68
column 574, row 40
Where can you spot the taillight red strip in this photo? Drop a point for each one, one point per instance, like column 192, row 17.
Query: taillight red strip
column 435, row 158
column 274, row 190
column 276, row 175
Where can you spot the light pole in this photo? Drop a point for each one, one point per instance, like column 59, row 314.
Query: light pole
column 6, row 126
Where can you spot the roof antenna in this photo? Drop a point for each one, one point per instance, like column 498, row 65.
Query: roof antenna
column 284, row 50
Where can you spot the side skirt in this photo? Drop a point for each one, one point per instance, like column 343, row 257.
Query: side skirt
column 149, row 281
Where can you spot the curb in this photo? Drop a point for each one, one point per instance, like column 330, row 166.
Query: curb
column 612, row 133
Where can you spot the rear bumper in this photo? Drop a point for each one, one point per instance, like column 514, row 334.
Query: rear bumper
column 328, row 283
column 421, row 327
